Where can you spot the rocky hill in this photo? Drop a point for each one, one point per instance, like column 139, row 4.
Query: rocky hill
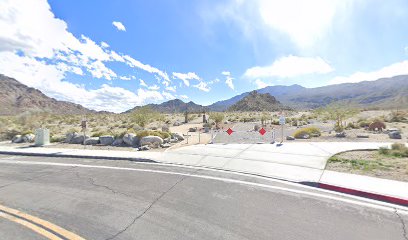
column 174, row 106
column 258, row 102
column 276, row 91
column 16, row 98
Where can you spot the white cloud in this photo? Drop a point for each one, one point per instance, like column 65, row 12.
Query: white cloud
column 126, row 78
column 305, row 23
column 183, row 96
column 171, row 89
column 203, row 86
column 213, row 81
column 119, row 26
column 186, row 77
column 290, row 66
column 50, row 79
column 168, row 95
column 104, row 45
column 154, row 87
column 229, row 82
column 50, row 52
column 399, row 68
column 142, row 83
column 135, row 63
column 226, row 73
column 260, row 84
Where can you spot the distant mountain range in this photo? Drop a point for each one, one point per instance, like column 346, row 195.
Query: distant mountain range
column 174, row 106
column 382, row 93
column 257, row 102
column 16, row 98
column 387, row 93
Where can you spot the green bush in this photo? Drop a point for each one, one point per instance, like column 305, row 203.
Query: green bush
column 397, row 150
column 57, row 139
column 352, row 126
column 363, row 123
column 309, row 131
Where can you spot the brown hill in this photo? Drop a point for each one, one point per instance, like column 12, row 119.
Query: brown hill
column 257, row 102
column 16, row 98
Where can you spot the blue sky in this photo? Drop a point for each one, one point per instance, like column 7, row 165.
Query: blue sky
column 113, row 55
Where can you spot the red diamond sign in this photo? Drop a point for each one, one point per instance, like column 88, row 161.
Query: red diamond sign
column 262, row 131
column 230, row 131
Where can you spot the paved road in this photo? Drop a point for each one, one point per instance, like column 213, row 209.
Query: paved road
column 102, row 199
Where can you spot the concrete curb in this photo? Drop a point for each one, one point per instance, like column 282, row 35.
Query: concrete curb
column 374, row 196
column 76, row 156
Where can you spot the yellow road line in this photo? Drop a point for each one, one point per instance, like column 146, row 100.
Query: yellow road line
column 29, row 225
column 47, row 225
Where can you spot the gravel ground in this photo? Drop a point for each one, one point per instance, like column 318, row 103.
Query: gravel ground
column 244, row 133
column 370, row 163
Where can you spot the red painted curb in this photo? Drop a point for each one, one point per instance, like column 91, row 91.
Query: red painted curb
column 384, row 198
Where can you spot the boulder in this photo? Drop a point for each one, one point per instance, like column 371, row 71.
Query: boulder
column 165, row 128
column 363, row 136
column 131, row 139
column 144, row 148
column 165, row 145
column 173, row 140
column 341, row 135
column 28, row 138
column 178, row 136
column 151, row 140
column 166, row 140
column 91, row 141
column 68, row 137
column 78, row 139
column 395, row 135
column 117, row 142
column 256, row 127
column 176, row 123
column 192, row 129
column 106, row 140
column 17, row 139
column 290, row 138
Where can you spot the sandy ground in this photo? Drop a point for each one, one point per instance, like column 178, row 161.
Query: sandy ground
column 371, row 163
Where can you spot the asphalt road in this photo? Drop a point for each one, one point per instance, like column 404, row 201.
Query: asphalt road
column 102, row 199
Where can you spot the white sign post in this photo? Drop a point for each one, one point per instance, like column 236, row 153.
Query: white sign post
column 282, row 122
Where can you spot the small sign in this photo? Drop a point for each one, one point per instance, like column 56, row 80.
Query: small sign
column 262, row 131
column 230, row 131
column 83, row 124
column 282, row 120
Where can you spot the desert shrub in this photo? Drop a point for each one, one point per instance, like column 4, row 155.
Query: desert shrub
column 397, row 116
column 9, row 134
column 55, row 139
column 363, row 123
column 397, row 150
column 145, row 133
column 249, row 119
column 145, row 115
column 309, row 131
column 72, row 130
column 352, row 126
column 217, row 117
column 101, row 133
column 27, row 132
column 338, row 128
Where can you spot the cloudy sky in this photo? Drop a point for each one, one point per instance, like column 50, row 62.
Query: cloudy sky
column 113, row 55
